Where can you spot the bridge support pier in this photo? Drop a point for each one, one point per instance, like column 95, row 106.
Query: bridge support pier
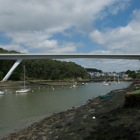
column 11, row 70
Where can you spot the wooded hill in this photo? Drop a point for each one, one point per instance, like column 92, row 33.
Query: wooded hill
column 42, row 69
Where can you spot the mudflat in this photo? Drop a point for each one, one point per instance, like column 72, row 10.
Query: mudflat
column 15, row 84
column 101, row 118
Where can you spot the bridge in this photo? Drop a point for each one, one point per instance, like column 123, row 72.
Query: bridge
column 20, row 57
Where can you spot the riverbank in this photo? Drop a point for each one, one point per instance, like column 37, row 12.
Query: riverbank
column 102, row 118
column 32, row 83
column 15, row 84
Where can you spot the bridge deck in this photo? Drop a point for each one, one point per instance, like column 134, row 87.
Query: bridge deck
column 20, row 57
column 64, row 56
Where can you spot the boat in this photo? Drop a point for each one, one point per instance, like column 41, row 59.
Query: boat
column 114, row 82
column 74, row 85
column 24, row 90
column 105, row 83
column 118, row 80
column 1, row 92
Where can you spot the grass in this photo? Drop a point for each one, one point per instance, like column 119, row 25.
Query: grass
column 136, row 91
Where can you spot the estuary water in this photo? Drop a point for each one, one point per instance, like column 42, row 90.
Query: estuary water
column 17, row 111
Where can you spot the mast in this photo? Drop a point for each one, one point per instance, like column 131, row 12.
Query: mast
column 24, row 75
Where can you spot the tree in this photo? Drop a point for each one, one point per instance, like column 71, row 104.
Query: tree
column 42, row 69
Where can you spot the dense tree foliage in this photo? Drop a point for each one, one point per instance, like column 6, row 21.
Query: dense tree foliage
column 53, row 69
column 43, row 69
column 6, row 51
column 133, row 74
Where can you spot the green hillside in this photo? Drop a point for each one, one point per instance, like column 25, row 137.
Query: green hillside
column 42, row 69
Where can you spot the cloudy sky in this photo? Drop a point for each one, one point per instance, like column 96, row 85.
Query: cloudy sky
column 73, row 26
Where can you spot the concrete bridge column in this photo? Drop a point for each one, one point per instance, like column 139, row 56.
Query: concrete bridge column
column 11, row 70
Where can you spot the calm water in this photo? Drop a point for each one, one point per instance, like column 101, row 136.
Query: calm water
column 19, row 110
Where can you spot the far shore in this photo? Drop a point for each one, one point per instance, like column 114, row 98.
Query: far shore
column 30, row 83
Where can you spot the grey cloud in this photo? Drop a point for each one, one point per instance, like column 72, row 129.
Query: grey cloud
column 42, row 15
column 30, row 23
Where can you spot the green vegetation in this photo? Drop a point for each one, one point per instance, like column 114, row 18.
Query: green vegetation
column 133, row 74
column 136, row 91
column 43, row 69
column 53, row 69
column 6, row 51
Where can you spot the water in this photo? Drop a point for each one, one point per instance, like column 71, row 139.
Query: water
column 19, row 110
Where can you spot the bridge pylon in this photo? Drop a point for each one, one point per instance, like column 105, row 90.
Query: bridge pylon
column 11, row 70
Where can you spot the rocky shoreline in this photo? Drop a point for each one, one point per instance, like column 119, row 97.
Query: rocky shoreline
column 102, row 118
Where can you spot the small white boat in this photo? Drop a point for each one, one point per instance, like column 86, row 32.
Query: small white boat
column 1, row 92
column 105, row 83
column 24, row 90
column 74, row 85
column 118, row 80
column 83, row 83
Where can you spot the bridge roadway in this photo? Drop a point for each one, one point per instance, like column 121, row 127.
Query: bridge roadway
column 20, row 57
column 66, row 56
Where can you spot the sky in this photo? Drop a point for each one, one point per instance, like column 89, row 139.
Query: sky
column 73, row 26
